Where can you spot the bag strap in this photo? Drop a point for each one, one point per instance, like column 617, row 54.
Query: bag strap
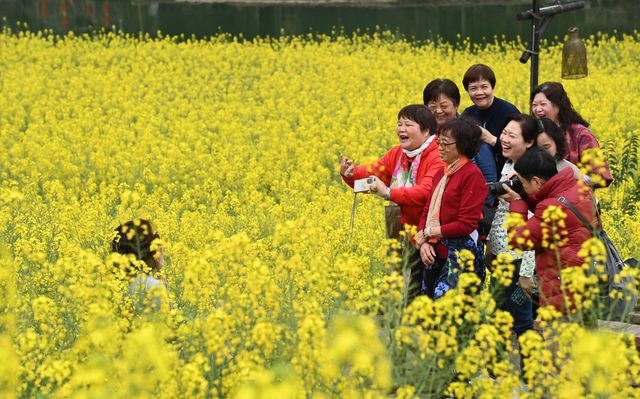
column 580, row 216
column 614, row 263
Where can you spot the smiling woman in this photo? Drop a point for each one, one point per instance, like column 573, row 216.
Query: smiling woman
column 487, row 110
column 442, row 97
column 449, row 223
column 550, row 100
column 228, row 147
column 518, row 135
column 404, row 176
column 410, row 134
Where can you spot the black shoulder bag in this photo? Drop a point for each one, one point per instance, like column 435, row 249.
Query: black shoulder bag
column 614, row 265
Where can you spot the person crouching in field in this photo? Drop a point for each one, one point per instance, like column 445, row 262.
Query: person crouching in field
column 546, row 187
column 137, row 239
column 449, row 221
column 404, row 176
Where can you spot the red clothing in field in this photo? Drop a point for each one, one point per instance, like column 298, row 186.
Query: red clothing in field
column 411, row 199
column 564, row 184
column 462, row 204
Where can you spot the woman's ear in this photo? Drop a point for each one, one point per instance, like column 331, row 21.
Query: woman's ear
column 539, row 182
column 530, row 144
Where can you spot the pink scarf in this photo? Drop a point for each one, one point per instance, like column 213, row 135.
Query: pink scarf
column 433, row 216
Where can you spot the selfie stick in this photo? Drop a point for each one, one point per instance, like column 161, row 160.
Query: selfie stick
column 353, row 216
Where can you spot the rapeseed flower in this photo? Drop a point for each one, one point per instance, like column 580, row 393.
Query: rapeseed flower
column 230, row 147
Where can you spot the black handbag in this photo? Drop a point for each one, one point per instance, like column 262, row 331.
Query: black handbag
column 613, row 266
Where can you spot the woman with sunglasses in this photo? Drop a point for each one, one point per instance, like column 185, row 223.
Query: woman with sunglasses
column 449, row 221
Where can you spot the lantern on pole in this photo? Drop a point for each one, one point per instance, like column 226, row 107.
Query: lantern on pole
column 574, row 56
column 540, row 18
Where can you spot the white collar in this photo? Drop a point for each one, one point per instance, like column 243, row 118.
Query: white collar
column 418, row 151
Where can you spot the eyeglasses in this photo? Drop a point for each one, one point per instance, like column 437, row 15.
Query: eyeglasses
column 444, row 106
column 443, row 144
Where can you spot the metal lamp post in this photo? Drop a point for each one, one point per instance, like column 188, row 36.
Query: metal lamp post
column 540, row 19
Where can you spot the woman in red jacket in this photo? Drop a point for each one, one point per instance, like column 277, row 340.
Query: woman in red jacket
column 449, row 222
column 404, row 176
column 543, row 185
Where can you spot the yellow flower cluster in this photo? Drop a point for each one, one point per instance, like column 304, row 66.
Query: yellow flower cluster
column 567, row 361
column 230, row 148
column 503, row 269
column 450, row 346
column 554, row 232
column 511, row 222
column 592, row 164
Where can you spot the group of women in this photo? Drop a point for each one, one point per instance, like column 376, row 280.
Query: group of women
column 447, row 197
column 437, row 177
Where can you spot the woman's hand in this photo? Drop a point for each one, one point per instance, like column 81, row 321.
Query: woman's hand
column 346, row 167
column 527, row 284
column 428, row 253
column 487, row 137
column 378, row 187
column 510, row 195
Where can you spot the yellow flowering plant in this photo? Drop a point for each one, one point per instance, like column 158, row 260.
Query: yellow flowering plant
column 230, row 147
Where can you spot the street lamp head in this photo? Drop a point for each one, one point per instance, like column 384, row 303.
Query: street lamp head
column 574, row 57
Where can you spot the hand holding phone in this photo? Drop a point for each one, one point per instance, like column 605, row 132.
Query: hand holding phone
column 363, row 185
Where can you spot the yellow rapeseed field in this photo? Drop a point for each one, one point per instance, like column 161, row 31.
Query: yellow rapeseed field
column 230, row 148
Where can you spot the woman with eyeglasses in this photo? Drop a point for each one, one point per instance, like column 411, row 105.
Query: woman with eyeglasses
column 442, row 96
column 449, row 221
column 550, row 100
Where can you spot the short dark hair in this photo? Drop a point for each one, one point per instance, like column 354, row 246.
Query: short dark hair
column 478, row 72
column 420, row 114
column 436, row 87
column 135, row 237
column 536, row 162
column 467, row 136
column 546, row 125
column 528, row 125
column 554, row 91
